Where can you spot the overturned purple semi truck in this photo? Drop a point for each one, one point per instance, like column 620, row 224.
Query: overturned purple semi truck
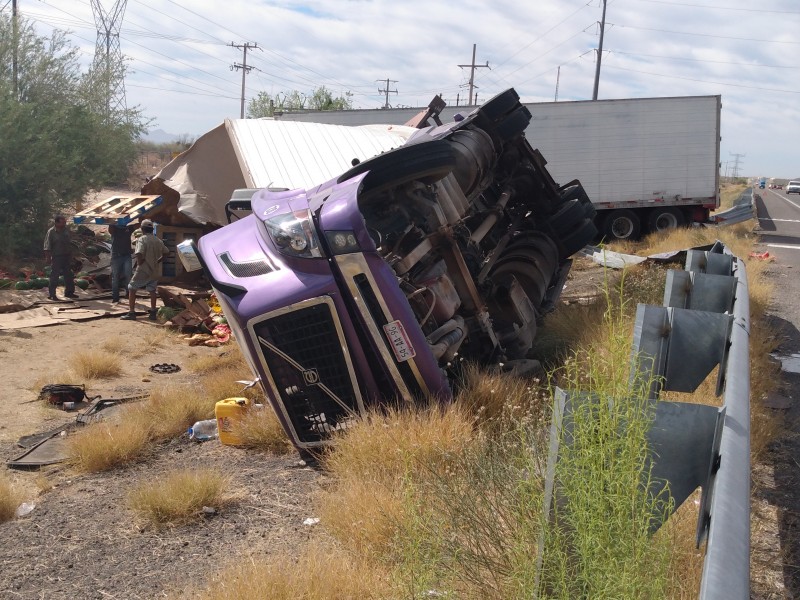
column 369, row 288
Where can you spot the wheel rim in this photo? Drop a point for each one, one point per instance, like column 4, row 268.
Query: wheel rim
column 666, row 221
column 622, row 227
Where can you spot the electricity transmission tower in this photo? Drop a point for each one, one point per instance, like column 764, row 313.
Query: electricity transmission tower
column 107, row 66
column 737, row 157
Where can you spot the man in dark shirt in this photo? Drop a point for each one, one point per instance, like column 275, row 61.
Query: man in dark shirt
column 121, row 257
column 58, row 253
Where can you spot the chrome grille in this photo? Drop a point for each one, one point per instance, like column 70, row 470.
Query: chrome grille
column 305, row 357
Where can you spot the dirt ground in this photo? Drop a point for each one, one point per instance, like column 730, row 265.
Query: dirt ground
column 82, row 541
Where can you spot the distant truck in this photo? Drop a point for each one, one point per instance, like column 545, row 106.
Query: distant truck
column 648, row 164
column 762, row 183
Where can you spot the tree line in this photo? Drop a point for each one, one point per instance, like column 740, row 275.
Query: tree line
column 60, row 137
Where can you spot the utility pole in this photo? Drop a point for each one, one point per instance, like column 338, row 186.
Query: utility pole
column 472, row 66
column 558, row 78
column 735, row 172
column 245, row 69
column 387, row 90
column 14, row 43
column 599, row 53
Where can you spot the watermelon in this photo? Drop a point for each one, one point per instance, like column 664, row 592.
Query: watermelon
column 22, row 285
column 5, row 284
column 82, row 283
column 36, row 284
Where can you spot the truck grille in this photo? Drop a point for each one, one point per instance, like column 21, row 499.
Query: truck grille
column 305, row 356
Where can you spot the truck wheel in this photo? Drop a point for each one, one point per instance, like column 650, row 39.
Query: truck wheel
column 570, row 213
column 514, row 124
column 580, row 237
column 664, row 219
column 622, row 224
column 500, row 105
column 574, row 190
column 427, row 161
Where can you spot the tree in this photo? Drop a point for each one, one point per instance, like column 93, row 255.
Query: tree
column 56, row 144
column 266, row 105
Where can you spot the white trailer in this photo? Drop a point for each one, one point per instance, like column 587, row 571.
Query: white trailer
column 647, row 164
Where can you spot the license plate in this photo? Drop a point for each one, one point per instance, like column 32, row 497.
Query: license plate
column 398, row 338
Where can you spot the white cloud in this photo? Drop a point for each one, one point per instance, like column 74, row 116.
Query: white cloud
column 181, row 76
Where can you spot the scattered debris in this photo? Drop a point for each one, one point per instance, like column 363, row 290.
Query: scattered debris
column 311, row 521
column 165, row 368
column 25, row 509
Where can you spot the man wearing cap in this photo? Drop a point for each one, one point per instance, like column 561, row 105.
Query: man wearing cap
column 149, row 253
column 121, row 259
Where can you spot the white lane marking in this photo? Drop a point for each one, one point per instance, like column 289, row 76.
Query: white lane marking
column 782, row 197
column 779, row 220
column 788, row 246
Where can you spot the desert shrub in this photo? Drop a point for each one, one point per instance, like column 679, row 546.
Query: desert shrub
column 96, row 364
column 9, row 499
column 107, row 445
column 260, row 429
column 179, row 496
column 320, row 573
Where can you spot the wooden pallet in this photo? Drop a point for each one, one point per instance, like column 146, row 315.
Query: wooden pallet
column 118, row 210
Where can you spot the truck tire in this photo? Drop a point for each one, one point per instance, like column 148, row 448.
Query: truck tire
column 665, row 219
column 582, row 235
column 570, row 213
column 622, row 224
column 500, row 105
column 514, row 124
column 574, row 190
column 427, row 161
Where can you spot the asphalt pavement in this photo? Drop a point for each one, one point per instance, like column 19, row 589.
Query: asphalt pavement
column 776, row 477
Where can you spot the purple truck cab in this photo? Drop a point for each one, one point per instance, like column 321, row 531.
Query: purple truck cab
column 367, row 289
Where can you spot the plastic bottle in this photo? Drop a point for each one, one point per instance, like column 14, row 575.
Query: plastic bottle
column 202, row 431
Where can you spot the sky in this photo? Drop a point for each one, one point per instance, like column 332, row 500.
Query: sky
column 181, row 54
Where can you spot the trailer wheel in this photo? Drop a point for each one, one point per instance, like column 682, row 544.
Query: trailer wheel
column 665, row 219
column 427, row 161
column 622, row 224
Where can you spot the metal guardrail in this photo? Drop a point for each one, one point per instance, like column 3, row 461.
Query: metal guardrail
column 704, row 323
column 743, row 209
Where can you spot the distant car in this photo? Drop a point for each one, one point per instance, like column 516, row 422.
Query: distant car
column 778, row 186
column 793, row 187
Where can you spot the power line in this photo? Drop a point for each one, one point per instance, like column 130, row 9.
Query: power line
column 738, row 85
column 755, row 10
column 709, row 35
column 703, row 60
column 472, row 66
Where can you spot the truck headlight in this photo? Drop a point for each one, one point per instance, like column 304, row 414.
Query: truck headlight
column 294, row 234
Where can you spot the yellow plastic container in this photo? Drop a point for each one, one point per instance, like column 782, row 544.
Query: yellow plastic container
column 229, row 413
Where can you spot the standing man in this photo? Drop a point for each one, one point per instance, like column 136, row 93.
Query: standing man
column 121, row 257
column 58, row 254
column 150, row 251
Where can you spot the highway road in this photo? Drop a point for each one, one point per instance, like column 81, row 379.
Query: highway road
column 775, row 543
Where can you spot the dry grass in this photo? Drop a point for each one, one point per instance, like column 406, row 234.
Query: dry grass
column 230, row 358
column 95, row 364
column 179, row 496
column 104, row 446
column 9, row 499
column 260, row 429
column 321, row 573
column 366, row 501
column 171, row 410
column 116, row 345
column 686, row 565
